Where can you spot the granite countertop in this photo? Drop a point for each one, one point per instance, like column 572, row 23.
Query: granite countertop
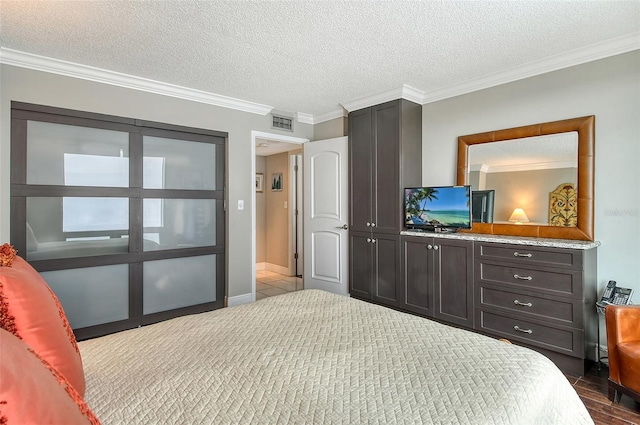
column 518, row 240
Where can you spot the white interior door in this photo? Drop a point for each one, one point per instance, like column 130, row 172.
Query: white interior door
column 325, row 215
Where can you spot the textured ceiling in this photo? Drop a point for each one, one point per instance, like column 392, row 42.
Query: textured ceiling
column 311, row 56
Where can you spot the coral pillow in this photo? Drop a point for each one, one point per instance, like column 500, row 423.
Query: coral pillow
column 33, row 392
column 30, row 310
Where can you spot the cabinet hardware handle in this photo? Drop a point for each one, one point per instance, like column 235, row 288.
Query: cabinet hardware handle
column 436, row 247
column 373, row 224
column 368, row 224
column 369, row 240
column 516, row 302
column 519, row 329
column 522, row 277
column 429, row 246
column 374, row 240
column 344, row 227
column 527, row 255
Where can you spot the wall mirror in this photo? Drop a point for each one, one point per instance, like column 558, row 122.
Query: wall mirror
column 540, row 178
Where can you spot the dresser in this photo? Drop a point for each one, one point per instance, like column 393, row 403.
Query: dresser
column 539, row 293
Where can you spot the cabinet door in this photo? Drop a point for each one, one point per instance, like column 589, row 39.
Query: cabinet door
column 360, row 265
column 387, row 193
column 417, row 283
column 453, row 281
column 386, row 274
column 360, row 170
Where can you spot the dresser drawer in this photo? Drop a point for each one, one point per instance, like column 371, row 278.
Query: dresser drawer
column 530, row 255
column 563, row 311
column 560, row 282
column 561, row 339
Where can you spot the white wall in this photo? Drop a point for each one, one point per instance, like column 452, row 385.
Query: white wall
column 18, row 84
column 610, row 90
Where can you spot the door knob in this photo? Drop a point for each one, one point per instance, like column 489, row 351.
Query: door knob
column 344, row 226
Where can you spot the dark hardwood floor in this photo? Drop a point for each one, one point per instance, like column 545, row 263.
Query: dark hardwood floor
column 592, row 389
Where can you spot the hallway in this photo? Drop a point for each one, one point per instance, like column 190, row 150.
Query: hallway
column 269, row 283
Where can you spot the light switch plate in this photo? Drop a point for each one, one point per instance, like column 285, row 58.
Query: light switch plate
column 240, row 204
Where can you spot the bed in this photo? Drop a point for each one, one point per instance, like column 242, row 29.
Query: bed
column 315, row 357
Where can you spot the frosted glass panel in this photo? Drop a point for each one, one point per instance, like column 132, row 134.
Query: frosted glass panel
column 92, row 296
column 179, row 223
column 178, row 164
column 178, row 282
column 68, row 155
column 76, row 227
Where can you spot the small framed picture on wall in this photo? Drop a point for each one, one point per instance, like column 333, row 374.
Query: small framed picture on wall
column 259, row 182
column 276, row 182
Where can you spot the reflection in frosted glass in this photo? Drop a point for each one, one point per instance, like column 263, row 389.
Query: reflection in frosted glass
column 178, row 282
column 57, row 228
column 102, row 298
column 179, row 223
column 95, row 170
column 59, row 154
column 94, row 214
column 178, row 164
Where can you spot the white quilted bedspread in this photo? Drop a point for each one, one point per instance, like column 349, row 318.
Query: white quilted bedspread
column 311, row 357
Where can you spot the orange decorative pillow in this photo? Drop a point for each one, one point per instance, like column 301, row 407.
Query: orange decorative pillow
column 7, row 254
column 30, row 310
column 33, row 392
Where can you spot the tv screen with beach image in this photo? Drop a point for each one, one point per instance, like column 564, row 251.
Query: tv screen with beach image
column 431, row 207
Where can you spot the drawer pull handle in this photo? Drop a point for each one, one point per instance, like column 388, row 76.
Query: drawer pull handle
column 516, row 302
column 517, row 254
column 519, row 329
column 522, row 277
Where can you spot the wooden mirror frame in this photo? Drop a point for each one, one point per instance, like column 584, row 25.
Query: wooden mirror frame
column 585, row 126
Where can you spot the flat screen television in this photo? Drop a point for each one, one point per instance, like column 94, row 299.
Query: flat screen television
column 437, row 208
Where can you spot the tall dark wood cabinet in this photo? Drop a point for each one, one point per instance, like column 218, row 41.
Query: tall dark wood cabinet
column 437, row 278
column 385, row 156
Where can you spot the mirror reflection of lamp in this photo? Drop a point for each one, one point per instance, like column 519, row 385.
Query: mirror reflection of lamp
column 518, row 216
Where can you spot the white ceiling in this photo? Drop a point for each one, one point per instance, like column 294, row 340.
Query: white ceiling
column 314, row 57
column 267, row 147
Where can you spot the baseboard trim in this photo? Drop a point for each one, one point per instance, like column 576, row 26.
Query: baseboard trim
column 261, row 266
column 240, row 299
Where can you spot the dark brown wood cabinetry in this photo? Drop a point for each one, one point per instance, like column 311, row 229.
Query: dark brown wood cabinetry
column 438, row 278
column 541, row 297
column 385, row 156
column 536, row 293
column 375, row 267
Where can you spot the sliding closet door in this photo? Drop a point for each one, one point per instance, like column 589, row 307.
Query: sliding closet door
column 123, row 218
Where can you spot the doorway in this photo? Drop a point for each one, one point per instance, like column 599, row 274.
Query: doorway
column 276, row 207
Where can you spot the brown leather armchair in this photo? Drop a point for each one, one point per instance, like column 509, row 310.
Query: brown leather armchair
column 623, row 343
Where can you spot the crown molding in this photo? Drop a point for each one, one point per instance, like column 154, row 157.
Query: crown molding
column 405, row 92
column 605, row 49
column 590, row 53
column 317, row 119
column 70, row 69
column 304, row 118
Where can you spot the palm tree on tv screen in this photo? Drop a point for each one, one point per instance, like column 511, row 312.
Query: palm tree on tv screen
column 417, row 196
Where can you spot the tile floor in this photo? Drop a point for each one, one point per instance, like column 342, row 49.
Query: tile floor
column 270, row 283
